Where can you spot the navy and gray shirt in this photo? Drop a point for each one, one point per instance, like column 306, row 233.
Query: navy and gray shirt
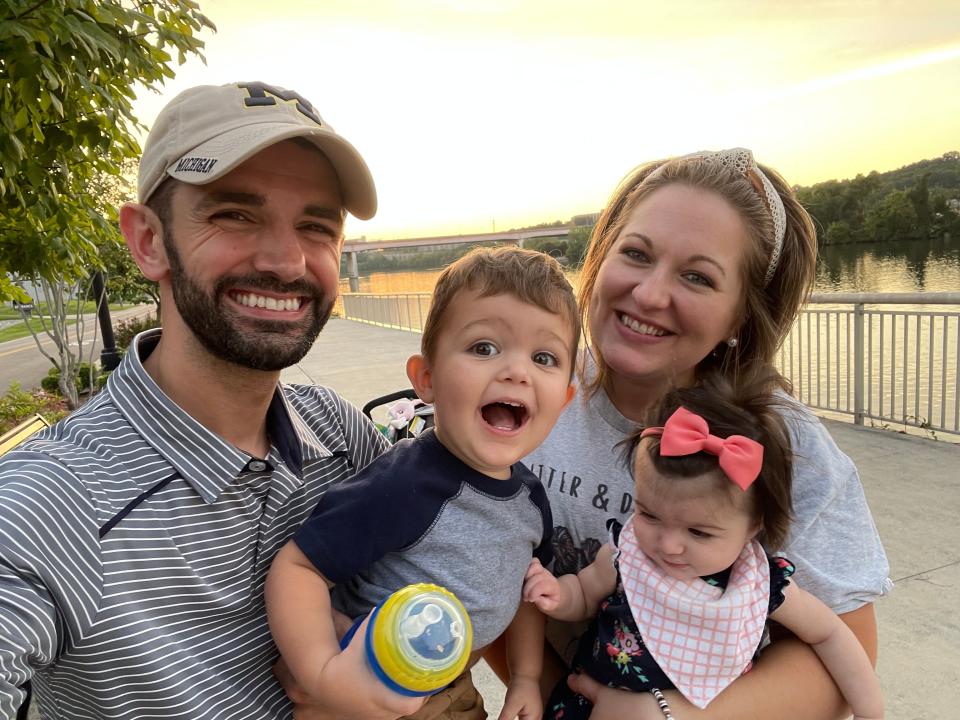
column 419, row 514
column 134, row 544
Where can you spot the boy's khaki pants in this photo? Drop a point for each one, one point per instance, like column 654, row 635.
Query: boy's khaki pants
column 460, row 701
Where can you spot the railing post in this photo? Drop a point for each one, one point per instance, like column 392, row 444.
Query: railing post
column 859, row 361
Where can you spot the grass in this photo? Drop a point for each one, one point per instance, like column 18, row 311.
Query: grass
column 7, row 312
column 19, row 330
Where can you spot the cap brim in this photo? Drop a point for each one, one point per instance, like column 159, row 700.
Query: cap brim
column 231, row 148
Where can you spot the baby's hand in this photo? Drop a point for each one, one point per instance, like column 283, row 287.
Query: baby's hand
column 541, row 588
column 522, row 700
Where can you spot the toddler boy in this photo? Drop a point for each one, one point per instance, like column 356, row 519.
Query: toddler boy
column 453, row 506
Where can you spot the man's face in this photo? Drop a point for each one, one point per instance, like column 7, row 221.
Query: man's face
column 254, row 257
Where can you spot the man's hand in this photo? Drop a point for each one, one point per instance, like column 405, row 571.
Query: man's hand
column 541, row 588
column 522, row 700
column 347, row 689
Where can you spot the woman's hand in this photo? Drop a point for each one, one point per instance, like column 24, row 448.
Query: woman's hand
column 612, row 704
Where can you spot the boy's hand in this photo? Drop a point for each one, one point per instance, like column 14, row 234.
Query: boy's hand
column 541, row 588
column 522, row 700
column 346, row 688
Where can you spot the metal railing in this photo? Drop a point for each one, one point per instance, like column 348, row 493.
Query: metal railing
column 886, row 357
column 405, row 311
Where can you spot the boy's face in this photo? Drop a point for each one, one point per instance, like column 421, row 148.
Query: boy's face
column 499, row 379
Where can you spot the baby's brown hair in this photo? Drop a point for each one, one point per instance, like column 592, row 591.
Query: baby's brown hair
column 530, row 276
column 752, row 410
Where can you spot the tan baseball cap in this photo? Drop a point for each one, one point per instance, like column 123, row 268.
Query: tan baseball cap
column 208, row 130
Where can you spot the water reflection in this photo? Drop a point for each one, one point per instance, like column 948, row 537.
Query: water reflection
column 917, row 266
column 932, row 266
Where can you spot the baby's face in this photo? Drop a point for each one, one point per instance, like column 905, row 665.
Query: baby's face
column 689, row 527
column 499, row 379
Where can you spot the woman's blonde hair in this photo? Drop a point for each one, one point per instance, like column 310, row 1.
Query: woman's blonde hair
column 769, row 307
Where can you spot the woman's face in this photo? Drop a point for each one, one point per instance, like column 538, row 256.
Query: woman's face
column 670, row 289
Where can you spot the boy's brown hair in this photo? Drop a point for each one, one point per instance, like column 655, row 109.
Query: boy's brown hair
column 753, row 410
column 531, row 277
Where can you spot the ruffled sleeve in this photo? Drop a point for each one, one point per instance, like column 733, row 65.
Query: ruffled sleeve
column 614, row 527
column 780, row 571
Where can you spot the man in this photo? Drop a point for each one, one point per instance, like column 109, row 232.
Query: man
column 136, row 534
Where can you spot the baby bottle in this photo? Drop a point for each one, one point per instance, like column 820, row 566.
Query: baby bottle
column 418, row 639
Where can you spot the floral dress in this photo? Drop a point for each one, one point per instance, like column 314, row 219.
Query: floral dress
column 612, row 651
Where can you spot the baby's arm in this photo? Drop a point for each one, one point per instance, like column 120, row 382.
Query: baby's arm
column 299, row 613
column 326, row 683
column 571, row 597
column 836, row 646
column 525, row 640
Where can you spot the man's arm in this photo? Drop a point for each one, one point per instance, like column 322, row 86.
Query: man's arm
column 787, row 681
column 50, row 567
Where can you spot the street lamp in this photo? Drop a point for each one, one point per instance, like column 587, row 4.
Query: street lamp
column 109, row 355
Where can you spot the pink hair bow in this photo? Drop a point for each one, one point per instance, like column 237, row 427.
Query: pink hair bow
column 686, row 433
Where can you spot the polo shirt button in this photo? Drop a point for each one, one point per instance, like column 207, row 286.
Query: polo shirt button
column 257, row 465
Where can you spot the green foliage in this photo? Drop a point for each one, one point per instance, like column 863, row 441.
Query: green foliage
column 577, row 242
column 87, row 376
column 416, row 259
column 16, row 405
column 68, row 74
column 126, row 330
column 905, row 204
column 894, row 218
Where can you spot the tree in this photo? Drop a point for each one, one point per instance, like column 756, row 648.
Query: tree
column 68, row 74
column 920, row 197
column 894, row 218
column 577, row 242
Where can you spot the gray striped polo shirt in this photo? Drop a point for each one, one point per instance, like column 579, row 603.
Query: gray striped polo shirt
column 162, row 616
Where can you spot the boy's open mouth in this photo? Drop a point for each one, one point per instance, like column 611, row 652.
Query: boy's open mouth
column 504, row 415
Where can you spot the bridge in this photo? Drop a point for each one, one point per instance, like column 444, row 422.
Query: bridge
column 351, row 248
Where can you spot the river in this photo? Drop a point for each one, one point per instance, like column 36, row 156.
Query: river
column 916, row 266
column 911, row 374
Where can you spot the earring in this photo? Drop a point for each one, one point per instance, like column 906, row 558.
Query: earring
column 731, row 342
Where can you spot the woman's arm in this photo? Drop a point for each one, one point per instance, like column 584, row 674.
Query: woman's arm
column 836, row 646
column 787, row 681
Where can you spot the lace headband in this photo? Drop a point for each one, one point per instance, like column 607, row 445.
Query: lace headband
column 741, row 160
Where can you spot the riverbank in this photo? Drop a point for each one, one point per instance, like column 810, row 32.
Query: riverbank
column 914, row 497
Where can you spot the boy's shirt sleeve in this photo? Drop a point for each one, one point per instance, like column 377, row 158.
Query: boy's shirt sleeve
column 383, row 508
column 544, row 551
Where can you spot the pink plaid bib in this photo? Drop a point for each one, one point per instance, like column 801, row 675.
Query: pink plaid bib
column 703, row 637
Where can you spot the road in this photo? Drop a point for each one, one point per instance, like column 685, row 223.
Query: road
column 22, row 362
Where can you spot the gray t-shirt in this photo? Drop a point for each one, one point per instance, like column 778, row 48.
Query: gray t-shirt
column 419, row 514
column 832, row 541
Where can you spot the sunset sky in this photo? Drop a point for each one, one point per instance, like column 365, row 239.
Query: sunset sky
column 483, row 114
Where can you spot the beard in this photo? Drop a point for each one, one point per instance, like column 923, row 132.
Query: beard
column 257, row 344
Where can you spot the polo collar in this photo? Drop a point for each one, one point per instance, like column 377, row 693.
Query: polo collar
column 201, row 457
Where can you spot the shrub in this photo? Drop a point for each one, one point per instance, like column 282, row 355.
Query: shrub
column 51, row 383
column 126, row 330
column 16, row 405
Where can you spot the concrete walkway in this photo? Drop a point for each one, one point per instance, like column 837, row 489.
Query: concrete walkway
column 912, row 484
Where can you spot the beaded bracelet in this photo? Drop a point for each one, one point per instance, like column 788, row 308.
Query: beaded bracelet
column 662, row 702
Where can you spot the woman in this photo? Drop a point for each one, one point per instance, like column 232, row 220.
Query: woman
column 700, row 264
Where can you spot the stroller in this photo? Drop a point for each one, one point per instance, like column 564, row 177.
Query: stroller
column 407, row 415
